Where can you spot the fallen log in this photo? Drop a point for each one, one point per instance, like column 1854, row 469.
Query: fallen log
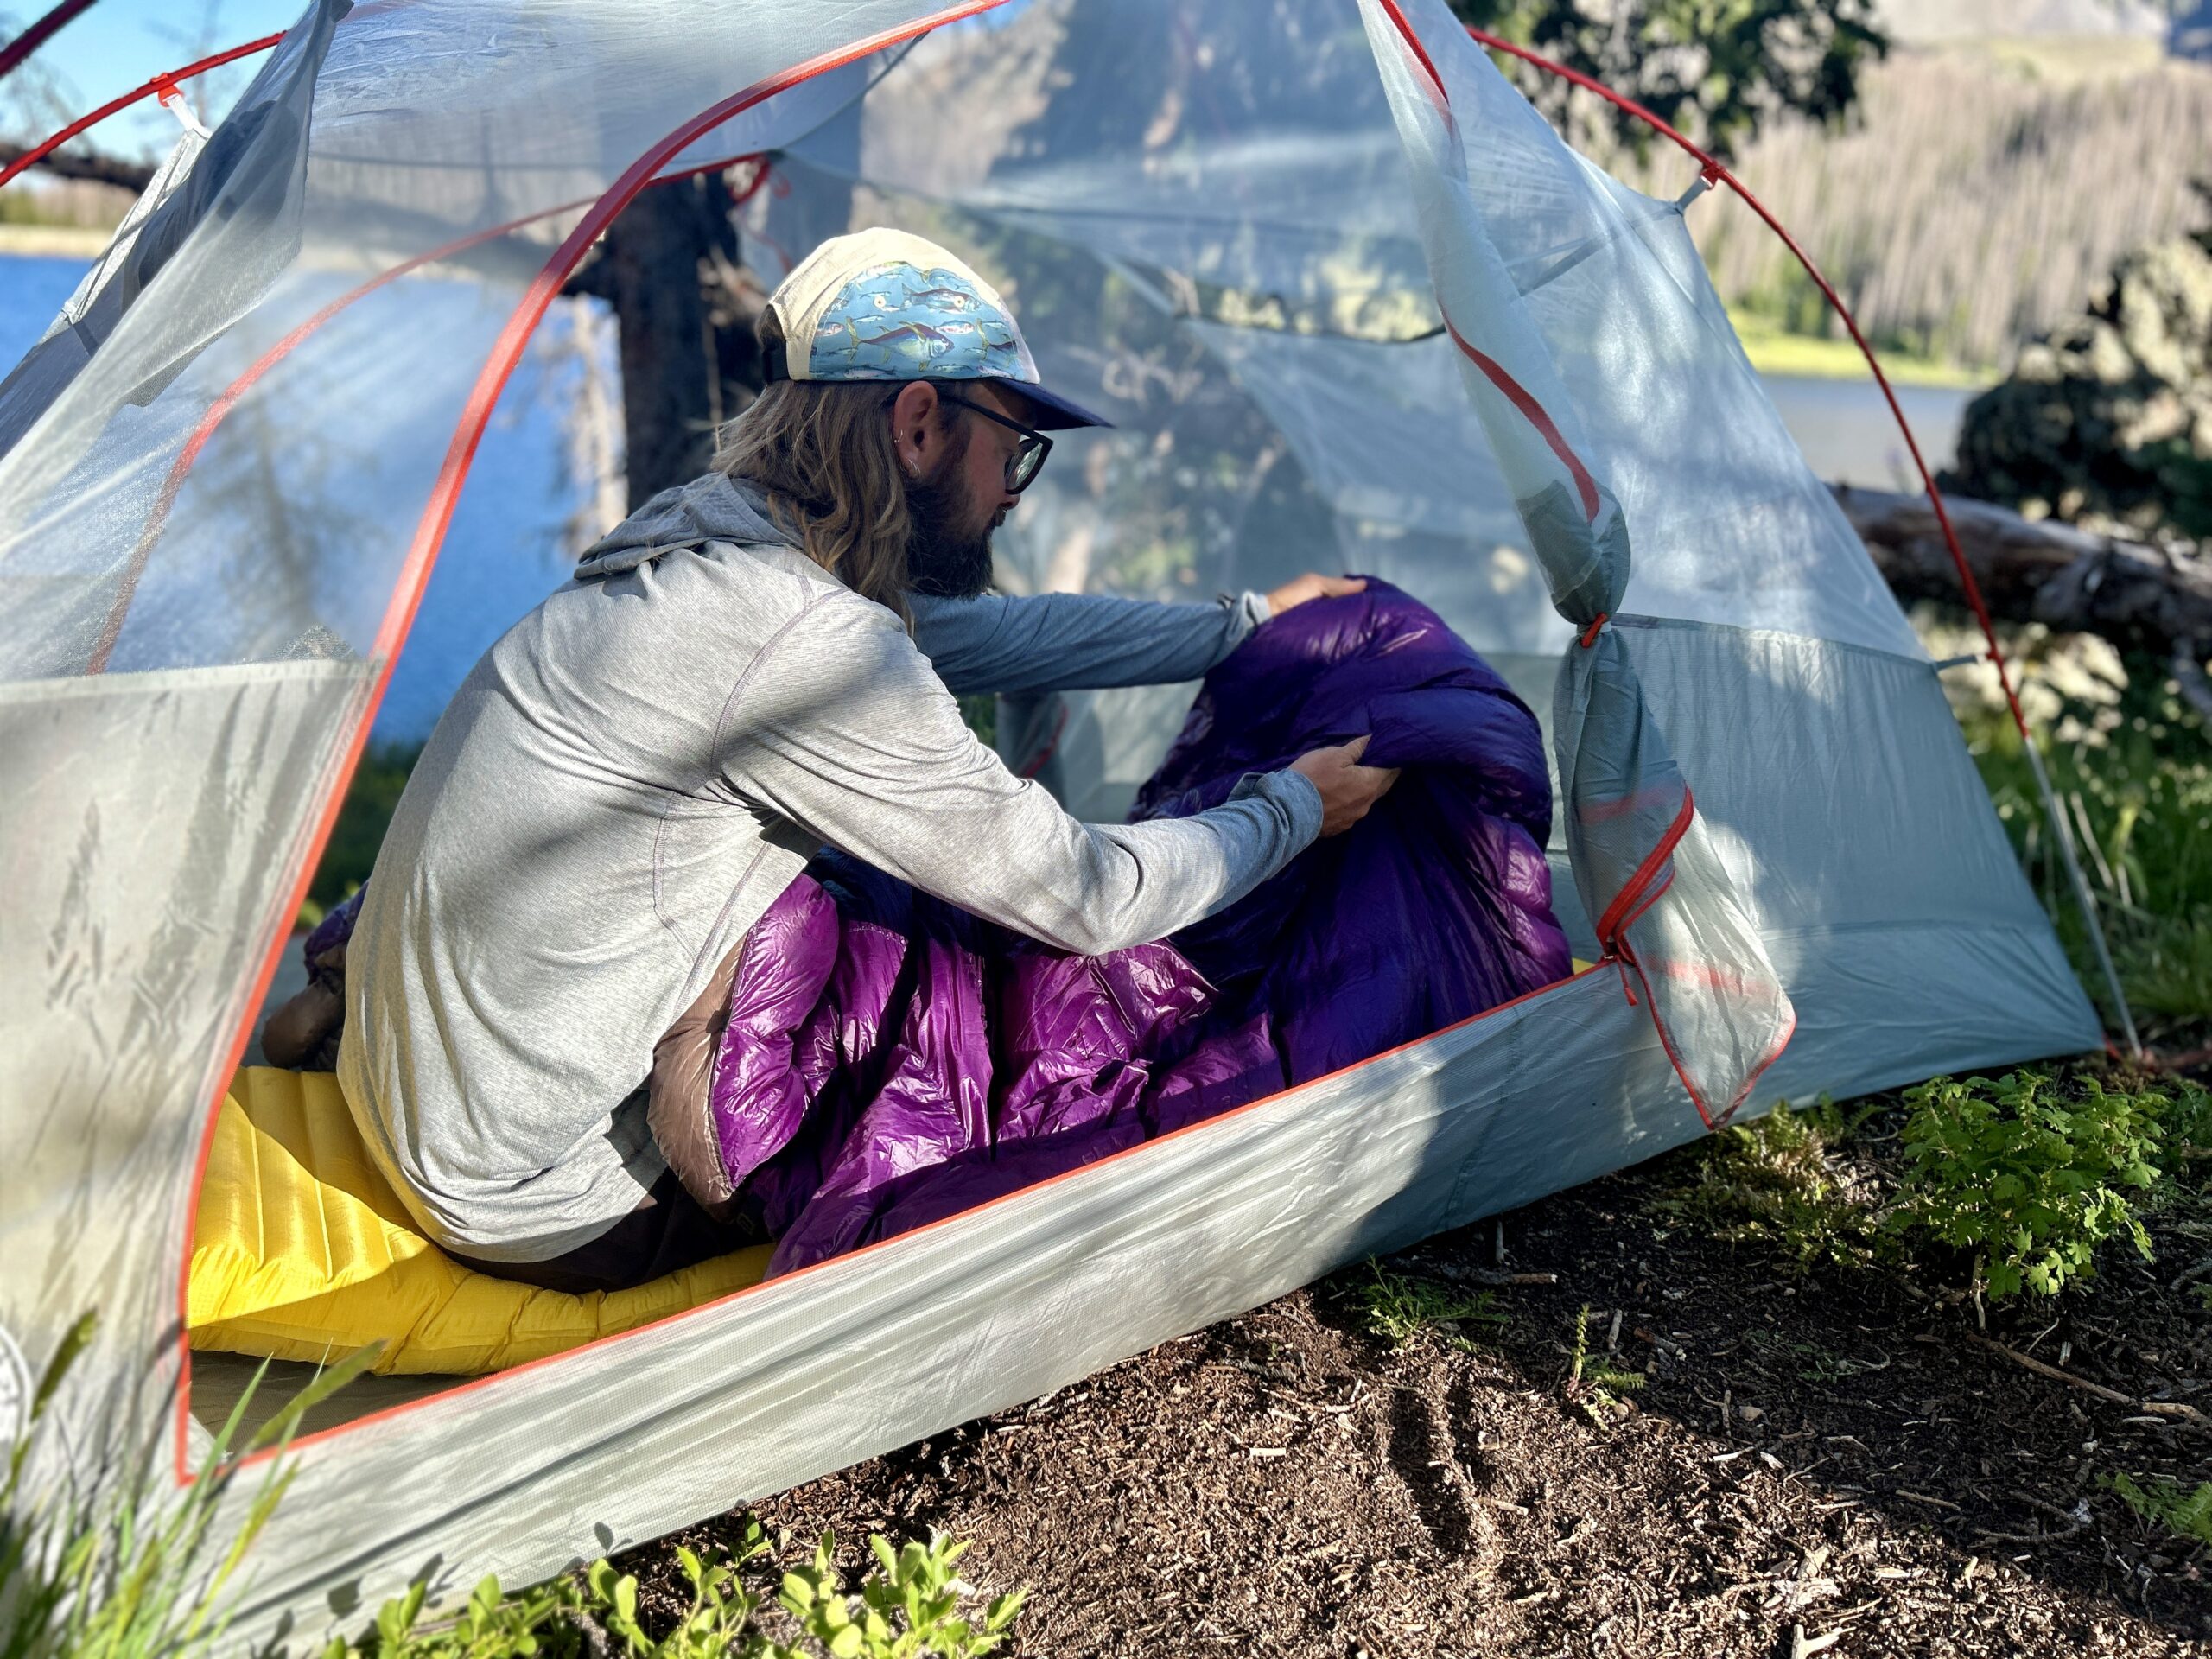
column 2139, row 596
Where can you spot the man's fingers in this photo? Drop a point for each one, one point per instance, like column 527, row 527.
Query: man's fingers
column 1312, row 585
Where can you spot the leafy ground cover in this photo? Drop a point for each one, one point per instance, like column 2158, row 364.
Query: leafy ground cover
column 127, row 1570
column 2132, row 768
column 743, row 1598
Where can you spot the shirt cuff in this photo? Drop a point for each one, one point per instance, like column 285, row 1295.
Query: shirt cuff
column 1246, row 611
column 1292, row 793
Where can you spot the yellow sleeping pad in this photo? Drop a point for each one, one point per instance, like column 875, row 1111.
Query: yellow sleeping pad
column 302, row 1251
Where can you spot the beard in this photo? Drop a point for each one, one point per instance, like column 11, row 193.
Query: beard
column 948, row 556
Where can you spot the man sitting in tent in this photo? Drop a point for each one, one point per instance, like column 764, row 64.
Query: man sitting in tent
column 754, row 664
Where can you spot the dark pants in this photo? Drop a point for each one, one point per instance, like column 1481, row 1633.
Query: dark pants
column 666, row 1231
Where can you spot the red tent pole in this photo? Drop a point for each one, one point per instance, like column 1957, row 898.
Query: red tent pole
column 1716, row 171
column 39, row 152
column 13, row 53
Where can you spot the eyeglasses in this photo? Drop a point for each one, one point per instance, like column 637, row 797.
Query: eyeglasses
column 1028, row 457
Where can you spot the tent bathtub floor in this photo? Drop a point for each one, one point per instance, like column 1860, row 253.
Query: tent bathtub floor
column 219, row 1381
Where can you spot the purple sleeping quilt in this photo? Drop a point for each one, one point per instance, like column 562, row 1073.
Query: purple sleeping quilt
column 889, row 1060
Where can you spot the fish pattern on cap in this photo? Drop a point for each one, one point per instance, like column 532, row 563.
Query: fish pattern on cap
column 895, row 322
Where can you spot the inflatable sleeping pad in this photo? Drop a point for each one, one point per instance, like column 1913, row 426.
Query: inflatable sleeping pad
column 302, row 1251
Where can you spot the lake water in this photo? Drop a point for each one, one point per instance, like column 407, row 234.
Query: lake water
column 513, row 500
column 1847, row 431
column 502, row 553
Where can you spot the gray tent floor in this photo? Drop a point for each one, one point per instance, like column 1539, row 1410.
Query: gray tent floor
column 219, row 1381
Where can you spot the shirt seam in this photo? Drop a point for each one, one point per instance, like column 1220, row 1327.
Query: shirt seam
column 714, row 749
column 660, row 830
column 744, row 678
column 722, row 916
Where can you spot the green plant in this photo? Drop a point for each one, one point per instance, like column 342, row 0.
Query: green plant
column 2132, row 768
column 1398, row 1308
column 1773, row 1182
column 119, row 1568
column 372, row 798
column 979, row 710
column 1591, row 1378
column 1813, row 1363
column 536, row 1623
column 2187, row 1121
column 2164, row 1504
column 910, row 1608
column 2028, row 1172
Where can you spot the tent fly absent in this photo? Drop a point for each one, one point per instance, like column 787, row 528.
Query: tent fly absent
column 1350, row 304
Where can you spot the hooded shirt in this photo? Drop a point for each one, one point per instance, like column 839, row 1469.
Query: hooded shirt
column 631, row 776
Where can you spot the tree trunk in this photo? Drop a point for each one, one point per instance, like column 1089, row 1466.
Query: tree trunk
column 2140, row 597
column 669, row 269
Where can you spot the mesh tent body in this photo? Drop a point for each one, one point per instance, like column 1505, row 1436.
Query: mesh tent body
column 1329, row 274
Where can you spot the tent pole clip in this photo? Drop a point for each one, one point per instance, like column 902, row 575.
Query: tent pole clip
column 171, row 98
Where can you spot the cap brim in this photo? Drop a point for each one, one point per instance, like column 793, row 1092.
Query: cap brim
column 1058, row 413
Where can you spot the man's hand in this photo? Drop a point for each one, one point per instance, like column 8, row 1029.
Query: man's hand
column 1299, row 589
column 1348, row 789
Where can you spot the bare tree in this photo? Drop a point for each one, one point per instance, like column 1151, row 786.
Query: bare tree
column 669, row 268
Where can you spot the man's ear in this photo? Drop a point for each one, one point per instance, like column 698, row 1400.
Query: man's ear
column 918, row 428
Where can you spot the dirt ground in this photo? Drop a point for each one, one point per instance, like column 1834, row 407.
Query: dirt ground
column 1810, row 1458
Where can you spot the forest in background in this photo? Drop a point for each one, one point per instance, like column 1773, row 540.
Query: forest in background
column 1978, row 191
column 1976, row 195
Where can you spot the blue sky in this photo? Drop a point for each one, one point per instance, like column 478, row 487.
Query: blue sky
column 120, row 43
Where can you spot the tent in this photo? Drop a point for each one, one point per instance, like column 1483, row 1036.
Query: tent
column 1353, row 305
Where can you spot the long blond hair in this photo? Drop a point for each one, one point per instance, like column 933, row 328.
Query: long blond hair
column 822, row 452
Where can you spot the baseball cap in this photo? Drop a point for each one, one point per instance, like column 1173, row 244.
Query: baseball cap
column 882, row 304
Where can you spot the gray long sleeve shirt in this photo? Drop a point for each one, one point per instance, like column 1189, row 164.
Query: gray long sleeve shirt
column 627, row 779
